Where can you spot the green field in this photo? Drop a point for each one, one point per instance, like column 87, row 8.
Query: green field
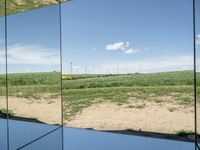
column 81, row 91
column 14, row 6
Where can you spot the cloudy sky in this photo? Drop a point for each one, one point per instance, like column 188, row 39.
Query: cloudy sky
column 103, row 37
column 128, row 35
column 33, row 41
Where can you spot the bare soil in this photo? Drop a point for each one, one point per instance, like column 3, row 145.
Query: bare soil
column 154, row 117
column 149, row 116
column 44, row 110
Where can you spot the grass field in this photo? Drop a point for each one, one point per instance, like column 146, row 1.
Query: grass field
column 81, row 91
column 170, row 94
column 17, row 6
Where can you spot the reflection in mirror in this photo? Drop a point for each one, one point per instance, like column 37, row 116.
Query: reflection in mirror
column 33, row 74
column 197, row 15
column 93, row 140
column 18, row 6
column 54, row 140
column 3, row 104
column 129, row 68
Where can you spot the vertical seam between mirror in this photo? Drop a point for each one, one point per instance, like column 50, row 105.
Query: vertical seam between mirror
column 6, row 65
column 194, row 49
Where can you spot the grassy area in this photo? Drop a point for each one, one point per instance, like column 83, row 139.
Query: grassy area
column 81, row 91
column 4, row 112
column 14, row 6
column 77, row 99
column 153, row 79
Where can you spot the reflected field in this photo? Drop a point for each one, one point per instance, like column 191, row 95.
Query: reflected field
column 34, row 96
column 155, row 102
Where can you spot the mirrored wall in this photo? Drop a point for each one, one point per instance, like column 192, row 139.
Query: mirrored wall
column 33, row 75
column 3, row 98
column 128, row 67
column 197, row 35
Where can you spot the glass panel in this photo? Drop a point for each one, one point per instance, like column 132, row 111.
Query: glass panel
column 197, row 3
column 128, row 67
column 3, row 106
column 92, row 140
column 54, row 140
column 33, row 74
column 18, row 6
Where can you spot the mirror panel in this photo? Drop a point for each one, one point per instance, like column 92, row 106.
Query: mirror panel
column 113, row 87
column 197, row 13
column 54, row 140
column 132, row 69
column 34, row 80
column 3, row 98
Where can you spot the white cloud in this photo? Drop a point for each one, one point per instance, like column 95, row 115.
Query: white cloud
column 132, row 51
column 127, row 44
column 122, row 46
column 117, row 46
column 30, row 55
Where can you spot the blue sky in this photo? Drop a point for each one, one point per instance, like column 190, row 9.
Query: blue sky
column 101, row 36
column 157, row 32
column 33, row 40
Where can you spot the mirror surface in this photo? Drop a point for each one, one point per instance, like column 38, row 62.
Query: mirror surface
column 33, row 74
column 198, row 66
column 128, row 67
column 3, row 102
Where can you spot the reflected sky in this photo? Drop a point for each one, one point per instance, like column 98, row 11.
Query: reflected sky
column 155, row 35
column 102, row 35
column 79, row 139
column 33, row 41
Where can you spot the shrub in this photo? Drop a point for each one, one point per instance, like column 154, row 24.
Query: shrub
column 66, row 77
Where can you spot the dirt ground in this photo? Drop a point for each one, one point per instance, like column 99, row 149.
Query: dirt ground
column 47, row 111
column 155, row 117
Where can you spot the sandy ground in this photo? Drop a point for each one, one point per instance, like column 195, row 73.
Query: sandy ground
column 153, row 117
column 47, row 111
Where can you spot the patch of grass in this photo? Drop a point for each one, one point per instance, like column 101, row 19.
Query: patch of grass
column 184, row 133
column 141, row 106
column 171, row 109
column 158, row 100
column 185, row 100
column 16, row 7
column 153, row 79
column 76, row 100
column 4, row 111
